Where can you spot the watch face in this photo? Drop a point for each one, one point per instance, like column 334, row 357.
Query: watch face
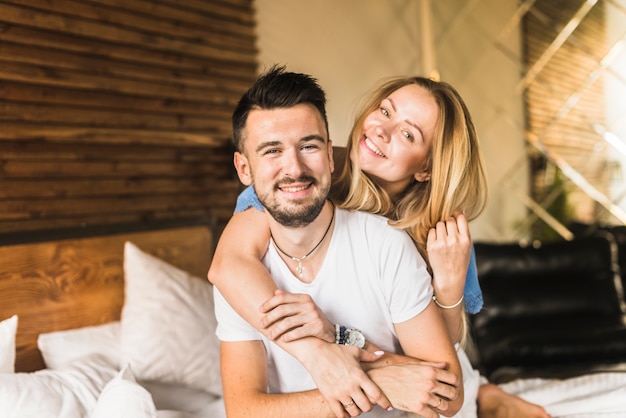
column 355, row 337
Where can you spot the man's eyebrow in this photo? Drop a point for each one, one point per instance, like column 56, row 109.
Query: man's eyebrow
column 308, row 138
column 267, row 144
column 313, row 137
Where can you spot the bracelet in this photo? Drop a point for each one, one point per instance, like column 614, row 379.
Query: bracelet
column 450, row 306
column 340, row 334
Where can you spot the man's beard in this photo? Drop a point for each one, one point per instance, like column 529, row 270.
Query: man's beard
column 297, row 214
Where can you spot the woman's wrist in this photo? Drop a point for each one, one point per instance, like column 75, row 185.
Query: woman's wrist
column 447, row 293
column 452, row 305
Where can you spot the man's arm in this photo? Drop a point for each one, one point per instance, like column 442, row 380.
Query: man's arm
column 237, row 265
column 245, row 377
column 411, row 384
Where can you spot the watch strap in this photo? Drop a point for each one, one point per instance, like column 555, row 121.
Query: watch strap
column 340, row 334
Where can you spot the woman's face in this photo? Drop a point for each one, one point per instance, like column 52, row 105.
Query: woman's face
column 397, row 137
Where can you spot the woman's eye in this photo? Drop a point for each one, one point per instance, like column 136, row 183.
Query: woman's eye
column 408, row 135
column 384, row 111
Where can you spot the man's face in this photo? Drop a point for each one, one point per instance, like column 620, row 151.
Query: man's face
column 288, row 158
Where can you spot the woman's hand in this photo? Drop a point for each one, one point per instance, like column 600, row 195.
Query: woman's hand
column 422, row 388
column 449, row 248
column 291, row 316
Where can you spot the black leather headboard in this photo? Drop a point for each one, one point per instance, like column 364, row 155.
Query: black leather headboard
column 553, row 307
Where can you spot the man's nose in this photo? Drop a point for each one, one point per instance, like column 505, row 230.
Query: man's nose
column 293, row 164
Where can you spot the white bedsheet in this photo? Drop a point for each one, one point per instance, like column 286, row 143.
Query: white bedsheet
column 593, row 395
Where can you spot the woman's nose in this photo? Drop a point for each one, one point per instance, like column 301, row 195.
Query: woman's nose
column 383, row 133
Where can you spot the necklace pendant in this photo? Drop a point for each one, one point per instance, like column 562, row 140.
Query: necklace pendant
column 300, row 268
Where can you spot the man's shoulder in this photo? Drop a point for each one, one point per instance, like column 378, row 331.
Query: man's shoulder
column 360, row 216
column 374, row 233
column 369, row 221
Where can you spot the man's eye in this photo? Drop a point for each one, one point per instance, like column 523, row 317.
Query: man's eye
column 271, row 151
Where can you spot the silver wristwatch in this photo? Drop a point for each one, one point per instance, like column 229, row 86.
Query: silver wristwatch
column 354, row 337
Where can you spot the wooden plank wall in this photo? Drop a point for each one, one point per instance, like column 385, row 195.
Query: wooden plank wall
column 118, row 111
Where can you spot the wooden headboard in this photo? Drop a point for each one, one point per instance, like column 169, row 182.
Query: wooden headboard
column 75, row 282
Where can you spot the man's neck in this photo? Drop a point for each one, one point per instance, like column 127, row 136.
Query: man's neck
column 303, row 248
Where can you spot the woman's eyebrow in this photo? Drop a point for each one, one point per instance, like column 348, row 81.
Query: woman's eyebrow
column 393, row 106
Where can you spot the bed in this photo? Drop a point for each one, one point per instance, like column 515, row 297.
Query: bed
column 119, row 322
column 115, row 322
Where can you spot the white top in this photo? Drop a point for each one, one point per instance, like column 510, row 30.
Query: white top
column 371, row 278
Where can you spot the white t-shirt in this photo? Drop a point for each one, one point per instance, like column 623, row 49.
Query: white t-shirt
column 371, row 278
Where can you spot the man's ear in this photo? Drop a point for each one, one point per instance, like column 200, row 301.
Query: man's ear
column 422, row 177
column 243, row 168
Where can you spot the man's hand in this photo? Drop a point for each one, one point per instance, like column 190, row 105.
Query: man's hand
column 335, row 369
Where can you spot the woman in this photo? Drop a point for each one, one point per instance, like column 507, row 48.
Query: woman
column 412, row 156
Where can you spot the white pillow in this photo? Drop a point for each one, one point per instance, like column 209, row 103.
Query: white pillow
column 68, row 393
column 61, row 348
column 8, row 327
column 168, row 324
column 123, row 397
column 174, row 397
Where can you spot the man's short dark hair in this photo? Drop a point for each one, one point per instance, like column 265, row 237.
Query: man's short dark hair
column 277, row 88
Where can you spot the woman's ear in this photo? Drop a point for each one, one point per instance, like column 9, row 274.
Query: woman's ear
column 422, row 177
column 243, row 168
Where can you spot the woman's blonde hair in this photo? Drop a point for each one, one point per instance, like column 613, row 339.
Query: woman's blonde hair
column 457, row 177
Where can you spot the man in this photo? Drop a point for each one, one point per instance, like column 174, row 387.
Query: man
column 357, row 269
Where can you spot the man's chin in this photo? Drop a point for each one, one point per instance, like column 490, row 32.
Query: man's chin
column 295, row 215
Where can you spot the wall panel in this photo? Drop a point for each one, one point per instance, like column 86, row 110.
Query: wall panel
column 115, row 111
column 564, row 101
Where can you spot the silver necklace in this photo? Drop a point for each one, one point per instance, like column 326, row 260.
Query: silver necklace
column 300, row 268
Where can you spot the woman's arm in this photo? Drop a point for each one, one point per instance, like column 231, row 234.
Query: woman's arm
column 424, row 337
column 236, row 269
column 243, row 280
column 449, row 248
